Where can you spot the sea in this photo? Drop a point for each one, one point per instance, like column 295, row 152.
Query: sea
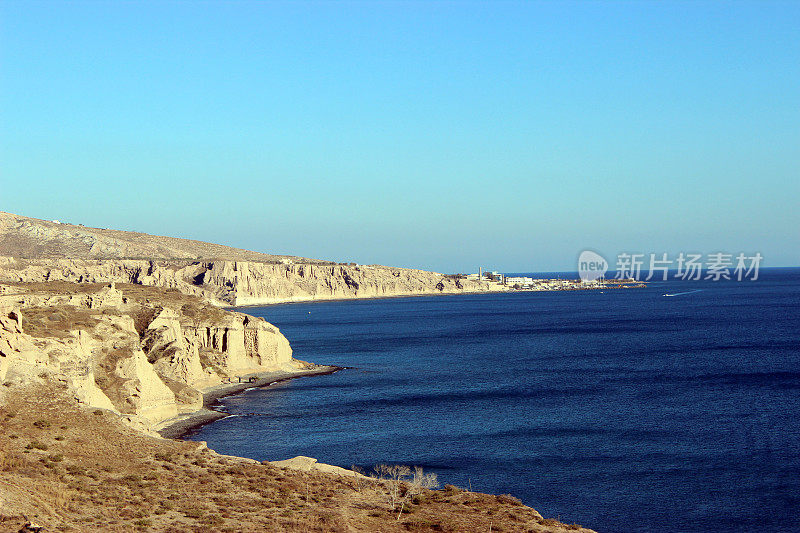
column 623, row 410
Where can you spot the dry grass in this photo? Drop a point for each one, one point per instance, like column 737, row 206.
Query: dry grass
column 148, row 299
column 25, row 237
column 151, row 298
column 58, row 322
column 99, row 475
column 9, row 462
column 75, row 469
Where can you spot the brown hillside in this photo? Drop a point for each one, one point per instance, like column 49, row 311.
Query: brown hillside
column 32, row 238
column 69, row 468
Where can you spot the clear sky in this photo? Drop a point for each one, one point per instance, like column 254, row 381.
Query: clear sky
column 440, row 135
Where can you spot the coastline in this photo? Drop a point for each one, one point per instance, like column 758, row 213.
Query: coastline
column 259, row 302
column 189, row 487
column 179, row 426
column 266, row 302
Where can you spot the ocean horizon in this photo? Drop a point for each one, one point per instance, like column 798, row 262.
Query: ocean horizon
column 622, row 410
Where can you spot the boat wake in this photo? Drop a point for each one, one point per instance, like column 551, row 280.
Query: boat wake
column 682, row 293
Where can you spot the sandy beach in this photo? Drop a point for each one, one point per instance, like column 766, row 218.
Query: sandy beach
column 178, row 426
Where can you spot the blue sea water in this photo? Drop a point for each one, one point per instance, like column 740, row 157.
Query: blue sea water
column 624, row 410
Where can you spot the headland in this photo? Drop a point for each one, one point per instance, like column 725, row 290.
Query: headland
column 102, row 356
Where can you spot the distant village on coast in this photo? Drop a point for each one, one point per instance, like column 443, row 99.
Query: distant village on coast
column 526, row 283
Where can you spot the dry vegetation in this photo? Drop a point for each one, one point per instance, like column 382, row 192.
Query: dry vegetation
column 26, row 237
column 78, row 469
column 74, row 469
column 58, row 322
column 189, row 305
column 143, row 303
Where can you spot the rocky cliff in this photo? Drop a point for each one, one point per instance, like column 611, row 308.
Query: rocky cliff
column 243, row 282
column 33, row 250
column 141, row 352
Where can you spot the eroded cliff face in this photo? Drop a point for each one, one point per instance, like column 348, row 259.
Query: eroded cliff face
column 33, row 250
column 141, row 352
column 244, row 282
column 258, row 283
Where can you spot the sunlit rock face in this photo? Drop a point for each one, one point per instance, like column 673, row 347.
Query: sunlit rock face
column 141, row 352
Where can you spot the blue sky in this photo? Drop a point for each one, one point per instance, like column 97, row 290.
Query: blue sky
column 439, row 135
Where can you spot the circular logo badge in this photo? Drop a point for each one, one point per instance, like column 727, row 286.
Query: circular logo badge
column 591, row 265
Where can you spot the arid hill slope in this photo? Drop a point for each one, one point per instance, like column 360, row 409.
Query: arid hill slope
column 32, row 238
column 87, row 371
column 67, row 467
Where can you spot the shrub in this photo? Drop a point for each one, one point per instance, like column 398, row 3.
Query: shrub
column 161, row 456
column 8, row 462
column 549, row 522
column 508, row 499
column 75, row 470
column 132, row 479
column 403, row 484
column 213, row 520
column 36, row 445
column 62, row 497
column 194, row 512
column 420, row 523
column 452, row 489
column 42, row 424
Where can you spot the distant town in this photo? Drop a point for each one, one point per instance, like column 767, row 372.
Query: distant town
column 525, row 283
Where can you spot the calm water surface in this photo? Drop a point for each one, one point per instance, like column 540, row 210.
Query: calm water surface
column 624, row 410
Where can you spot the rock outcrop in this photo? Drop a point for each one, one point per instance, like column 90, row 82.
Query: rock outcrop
column 231, row 283
column 33, row 250
column 146, row 351
column 141, row 352
column 308, row 464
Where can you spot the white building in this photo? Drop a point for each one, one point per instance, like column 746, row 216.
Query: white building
column 495, row 276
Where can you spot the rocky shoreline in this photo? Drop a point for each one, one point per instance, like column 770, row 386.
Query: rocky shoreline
column 100, row 382
column 113, row 346
column 145, row 353
column 183, row 424
column 69, row 467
